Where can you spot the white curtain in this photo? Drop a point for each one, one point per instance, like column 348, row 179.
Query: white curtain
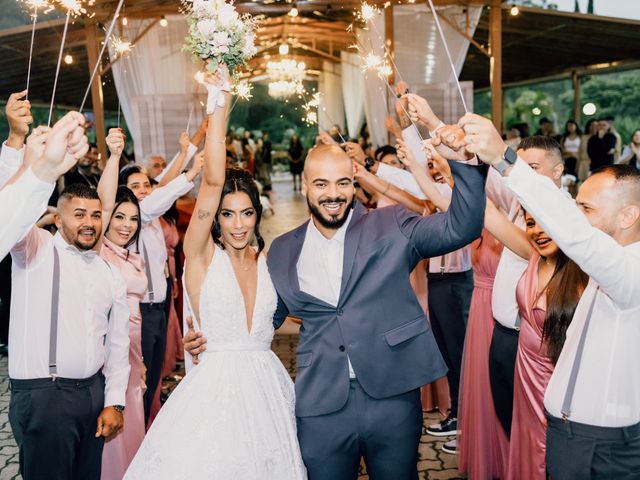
column 353, row 92
column 375, row 99
column 419, row 52
column 331, row 111
column 156, row 86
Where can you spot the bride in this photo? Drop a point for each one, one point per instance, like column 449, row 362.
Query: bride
column 232, row 417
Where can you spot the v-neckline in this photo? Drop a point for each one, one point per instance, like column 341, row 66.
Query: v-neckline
column 244, row 301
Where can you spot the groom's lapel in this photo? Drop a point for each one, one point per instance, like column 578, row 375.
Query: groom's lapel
column 351, row 242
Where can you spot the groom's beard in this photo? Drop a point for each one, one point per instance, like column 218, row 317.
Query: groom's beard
column 335, row 221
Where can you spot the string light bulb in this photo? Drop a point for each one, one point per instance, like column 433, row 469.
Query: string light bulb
column 164, row 22
column 125, row 21
column 514, row 10
column 293, row 12
column 68, row 59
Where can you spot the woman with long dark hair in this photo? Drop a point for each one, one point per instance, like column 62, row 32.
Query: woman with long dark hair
column 121, row 218
column 631, row 153
column 547, row 295
column 232, row 416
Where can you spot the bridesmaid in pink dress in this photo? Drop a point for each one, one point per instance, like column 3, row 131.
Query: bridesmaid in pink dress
column 547, row 295
column 483, row 447
column 123, row 230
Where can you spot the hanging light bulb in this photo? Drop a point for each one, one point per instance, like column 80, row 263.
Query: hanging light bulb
column 125, row 21
column 68, row 59
column 293, row 12
column 283, row 49
column 514, row 10
column 164, row 22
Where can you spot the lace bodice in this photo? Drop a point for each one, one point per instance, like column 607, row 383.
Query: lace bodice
column 223, row 315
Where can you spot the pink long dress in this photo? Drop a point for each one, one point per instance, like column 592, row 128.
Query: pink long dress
column 482, row 444
column 532, row 374
column 119, row 450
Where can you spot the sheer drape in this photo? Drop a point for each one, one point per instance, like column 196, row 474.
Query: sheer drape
column 353, row 92
column 331, row 109
column 156, row 86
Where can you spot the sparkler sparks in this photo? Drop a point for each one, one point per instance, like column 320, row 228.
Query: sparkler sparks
column 75, row 7
column 243, row 89
column 121, row 46
column 367, row 12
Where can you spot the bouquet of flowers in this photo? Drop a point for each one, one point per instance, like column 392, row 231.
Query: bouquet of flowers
column 218, row 34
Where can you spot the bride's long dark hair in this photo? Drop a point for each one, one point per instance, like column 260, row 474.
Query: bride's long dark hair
column 238, row 180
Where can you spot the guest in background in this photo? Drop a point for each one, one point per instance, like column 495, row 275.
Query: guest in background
column 389, row 156
column 570, row 147
column 296, row 161
column 631, row 153
column 584, row 162
column 601, row 147
column 84, row 172
column 513, row 137
column 609, row 119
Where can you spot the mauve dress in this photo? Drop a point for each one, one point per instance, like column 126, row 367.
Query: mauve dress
column 120, row 449
column 483, row 447
column 532, row 374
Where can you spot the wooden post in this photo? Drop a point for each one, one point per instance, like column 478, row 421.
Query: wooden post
column 495, row 62
column 388, row 40
column 97, row 100
column 575, row 78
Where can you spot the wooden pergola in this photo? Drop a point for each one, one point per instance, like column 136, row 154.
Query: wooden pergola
column 504, row 50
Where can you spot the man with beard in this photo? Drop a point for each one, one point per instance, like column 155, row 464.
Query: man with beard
column 69, row 342
column 365, row 346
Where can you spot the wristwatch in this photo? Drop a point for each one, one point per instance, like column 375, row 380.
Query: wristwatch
column 509, row 157
column 369, row 163
column 118, row 408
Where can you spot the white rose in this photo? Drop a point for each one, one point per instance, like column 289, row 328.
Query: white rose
column 202, row 8
column 227, row 14
column 221, row 39
column 206, row 27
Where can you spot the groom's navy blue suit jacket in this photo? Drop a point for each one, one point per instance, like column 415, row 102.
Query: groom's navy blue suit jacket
column 378, row 321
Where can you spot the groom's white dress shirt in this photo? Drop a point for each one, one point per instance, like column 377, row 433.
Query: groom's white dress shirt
column 10, row 161
column 320, row 266
column 93, row 322
column 607, row 390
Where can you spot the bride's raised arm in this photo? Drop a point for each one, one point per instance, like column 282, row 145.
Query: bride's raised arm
column 198, row 243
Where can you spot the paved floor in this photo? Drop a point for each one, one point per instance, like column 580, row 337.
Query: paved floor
column 290, row 211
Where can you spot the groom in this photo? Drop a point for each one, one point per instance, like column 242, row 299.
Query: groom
column 365, row 346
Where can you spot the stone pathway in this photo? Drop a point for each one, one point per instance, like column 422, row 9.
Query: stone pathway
column 290, row 211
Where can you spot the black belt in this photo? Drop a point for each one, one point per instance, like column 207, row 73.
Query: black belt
column 448, row 275
column 152, row 306
column 507, row 330
column 48, row 382
column 620, row 434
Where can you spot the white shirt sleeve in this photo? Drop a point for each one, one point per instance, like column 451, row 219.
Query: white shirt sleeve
column 21, row 204
column 160, row 200
column 412, row 138
column 498, row 192
column 191, row 151
column 116, row 365
column 597, row 254
column 401, row 179
column 10, row 162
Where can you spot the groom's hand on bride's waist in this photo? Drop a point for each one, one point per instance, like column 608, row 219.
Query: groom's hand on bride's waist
column 194, row 342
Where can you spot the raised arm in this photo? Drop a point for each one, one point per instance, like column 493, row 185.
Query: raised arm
column 177, row 163
column 19, row 117
column 108, row 184
column 512, row 237
column 424, row 180
column 371, row 182
column 198, row 244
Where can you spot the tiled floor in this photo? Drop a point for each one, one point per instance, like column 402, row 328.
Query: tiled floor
column 290, row 211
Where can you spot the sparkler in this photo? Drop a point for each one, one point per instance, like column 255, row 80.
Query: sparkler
column 35, row 5
column 446, row 49
column 121, row 46
column 243, row 90
column 190, row 116
column 104, row 45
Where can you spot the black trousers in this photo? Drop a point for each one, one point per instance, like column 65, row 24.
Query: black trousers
column 576, row 451
column 449, row 302
column 54, row 424
column 154, row 341
column 385, row 432
column 502, row 365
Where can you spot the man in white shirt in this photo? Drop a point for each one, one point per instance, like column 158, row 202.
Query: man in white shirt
column 69, row 342
column 153, row 204
column 593, row 397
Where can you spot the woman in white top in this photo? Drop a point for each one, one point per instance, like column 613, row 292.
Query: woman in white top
column 571, row 147
column 631, row 153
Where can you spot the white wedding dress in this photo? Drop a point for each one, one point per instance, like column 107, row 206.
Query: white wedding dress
column 232, row 417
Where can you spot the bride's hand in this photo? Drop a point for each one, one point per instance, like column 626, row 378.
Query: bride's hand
column 194, row 342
